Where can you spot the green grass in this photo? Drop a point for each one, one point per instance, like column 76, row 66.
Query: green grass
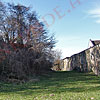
column 57, row 86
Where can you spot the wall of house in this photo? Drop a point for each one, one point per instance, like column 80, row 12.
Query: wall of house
column 85, row 61
column 66, row 63
column 90, row 44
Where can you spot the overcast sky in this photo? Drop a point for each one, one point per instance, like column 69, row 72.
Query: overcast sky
column 73, row 22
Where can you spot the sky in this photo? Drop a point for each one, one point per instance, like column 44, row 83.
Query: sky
column 74, row 22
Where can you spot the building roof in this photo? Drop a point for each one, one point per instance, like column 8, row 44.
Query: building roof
column 95, row 42
column 66, row 58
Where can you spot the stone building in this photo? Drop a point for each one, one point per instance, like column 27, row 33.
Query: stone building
column 66, row 64
column 85, row 61
column 93, row 43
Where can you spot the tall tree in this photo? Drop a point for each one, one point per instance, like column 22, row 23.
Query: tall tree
column 22, row 26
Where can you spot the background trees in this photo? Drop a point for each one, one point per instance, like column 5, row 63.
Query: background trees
column 57, row 54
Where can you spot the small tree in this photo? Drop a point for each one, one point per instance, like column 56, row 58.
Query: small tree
column 57, row 59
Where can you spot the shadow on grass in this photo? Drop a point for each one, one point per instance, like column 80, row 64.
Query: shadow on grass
column 58, row 82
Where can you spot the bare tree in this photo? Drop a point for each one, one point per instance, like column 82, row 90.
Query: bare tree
column 21, row 26
column 57, row 59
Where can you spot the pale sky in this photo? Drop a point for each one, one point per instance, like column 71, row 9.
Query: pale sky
column 74, row 22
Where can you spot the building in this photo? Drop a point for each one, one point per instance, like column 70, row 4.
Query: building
column 86, row 60
column 66, row 64
column 93, row 43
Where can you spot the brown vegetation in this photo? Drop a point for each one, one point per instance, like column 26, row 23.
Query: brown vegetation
column 25, row 46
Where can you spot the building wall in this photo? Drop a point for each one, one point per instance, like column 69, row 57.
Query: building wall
column 66, row 63
column 90, row 44
column 85, row 61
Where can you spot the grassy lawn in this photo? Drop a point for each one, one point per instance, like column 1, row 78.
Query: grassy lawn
column 57, row 86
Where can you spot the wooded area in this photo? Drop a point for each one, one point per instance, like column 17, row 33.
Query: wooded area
column 26, row 48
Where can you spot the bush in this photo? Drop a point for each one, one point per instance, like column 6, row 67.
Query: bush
column 22, row 63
